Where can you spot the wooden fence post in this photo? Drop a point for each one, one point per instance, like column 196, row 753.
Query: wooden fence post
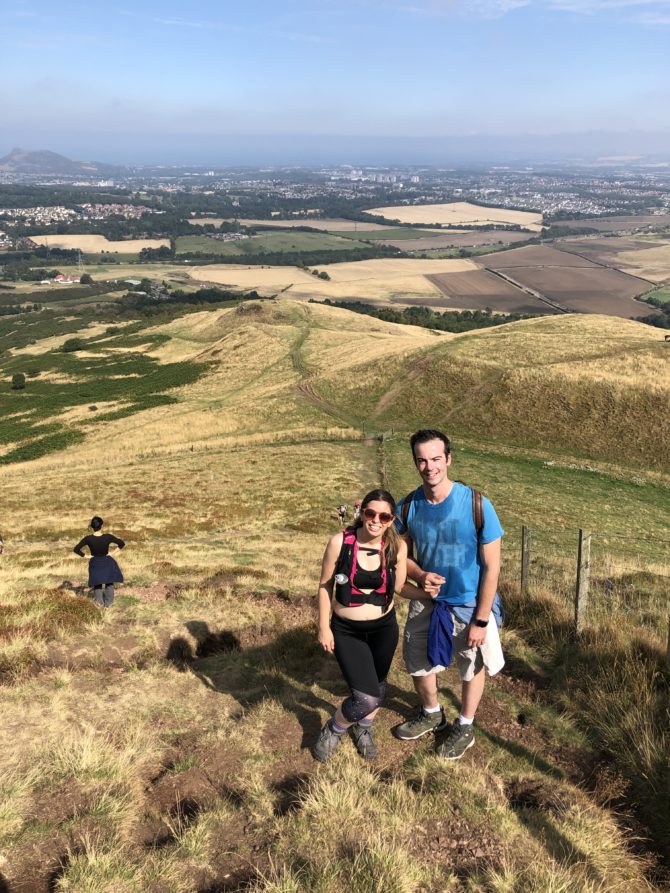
column 583, row 571
column 525, row 557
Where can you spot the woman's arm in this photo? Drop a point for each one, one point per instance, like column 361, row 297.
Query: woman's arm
column 401, row 566
column 116, row 540
column 325, row 597
column 78, row 548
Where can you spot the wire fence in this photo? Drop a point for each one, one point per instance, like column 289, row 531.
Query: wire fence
column 600, row 575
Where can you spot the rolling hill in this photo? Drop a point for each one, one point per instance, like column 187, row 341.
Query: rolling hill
column 163, row 745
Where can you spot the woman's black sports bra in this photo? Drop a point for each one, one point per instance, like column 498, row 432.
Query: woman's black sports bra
column 367, row 579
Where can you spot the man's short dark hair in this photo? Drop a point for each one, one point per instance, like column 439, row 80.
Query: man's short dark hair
column 426, row 434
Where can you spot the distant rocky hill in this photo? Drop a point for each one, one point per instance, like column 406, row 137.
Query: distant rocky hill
column 43, row 162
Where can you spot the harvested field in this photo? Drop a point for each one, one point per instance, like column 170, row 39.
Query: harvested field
column 375, row 280
column 605, row 251
column 533, row 256
column 652, row 264
column 96, row 244
column 617, row 224
column 457, row 240
column 266, row 280
column 330, row 224
column 459, row 214
column 479, row 289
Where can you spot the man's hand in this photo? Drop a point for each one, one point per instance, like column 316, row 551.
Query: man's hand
column 476, row 636
column 431, row 583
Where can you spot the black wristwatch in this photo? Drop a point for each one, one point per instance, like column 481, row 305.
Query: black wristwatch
column 482, row 623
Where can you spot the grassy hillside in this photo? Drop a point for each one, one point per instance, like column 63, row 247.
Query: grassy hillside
column 164, row 744
column 589, row 387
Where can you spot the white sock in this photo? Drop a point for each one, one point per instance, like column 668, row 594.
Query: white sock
column 432, row 709
column 465, row 722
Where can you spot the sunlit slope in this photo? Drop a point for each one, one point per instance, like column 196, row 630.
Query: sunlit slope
column 257, row 365
column 589, row 386
column 596, row 387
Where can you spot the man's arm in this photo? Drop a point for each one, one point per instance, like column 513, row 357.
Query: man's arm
column 428, row 581
column 488, row 586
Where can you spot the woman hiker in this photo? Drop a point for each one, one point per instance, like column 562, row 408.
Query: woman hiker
column 363, row 567
column 103, row 571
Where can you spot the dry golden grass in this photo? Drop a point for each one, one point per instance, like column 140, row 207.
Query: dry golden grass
column 97, row 243
column 459, row 214
column 652, row 263
column 572, row 345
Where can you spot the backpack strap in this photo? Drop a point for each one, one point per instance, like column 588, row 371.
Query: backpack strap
column 404, row 514
column 477, row 511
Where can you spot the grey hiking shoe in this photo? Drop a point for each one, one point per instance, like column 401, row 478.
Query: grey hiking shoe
column 365, row 743
column 326, row 744
column 419, row 725
column 454, row 740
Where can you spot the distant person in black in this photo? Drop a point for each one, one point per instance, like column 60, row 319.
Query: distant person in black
column 103, row 571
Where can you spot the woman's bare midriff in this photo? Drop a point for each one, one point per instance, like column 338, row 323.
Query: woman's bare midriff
column 364, row 612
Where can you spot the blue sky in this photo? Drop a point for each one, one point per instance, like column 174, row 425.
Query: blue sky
column 207, row 81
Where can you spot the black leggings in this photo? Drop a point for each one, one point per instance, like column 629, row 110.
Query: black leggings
column 364, row 650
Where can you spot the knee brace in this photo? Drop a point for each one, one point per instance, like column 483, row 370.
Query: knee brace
column 359, row 705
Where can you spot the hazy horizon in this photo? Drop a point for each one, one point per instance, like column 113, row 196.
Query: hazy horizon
column 320, row 82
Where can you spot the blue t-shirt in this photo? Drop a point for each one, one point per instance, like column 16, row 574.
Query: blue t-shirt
column 446, row 541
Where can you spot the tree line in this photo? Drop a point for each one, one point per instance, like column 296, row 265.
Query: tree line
column 446, row 321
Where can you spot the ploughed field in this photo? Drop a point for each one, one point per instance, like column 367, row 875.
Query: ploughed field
column 574, row 282
column 477, row 289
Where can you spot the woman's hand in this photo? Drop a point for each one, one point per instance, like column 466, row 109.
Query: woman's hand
column 327, row 640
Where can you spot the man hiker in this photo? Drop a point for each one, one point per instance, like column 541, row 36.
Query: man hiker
column 455, row 535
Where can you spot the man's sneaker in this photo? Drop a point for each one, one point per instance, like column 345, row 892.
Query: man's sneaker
column 420, row 725
column 454, row 740
column 365, row 743
column 327, row 743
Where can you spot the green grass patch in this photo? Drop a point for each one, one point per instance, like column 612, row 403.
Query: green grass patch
column 132, row 377
column 662, row 296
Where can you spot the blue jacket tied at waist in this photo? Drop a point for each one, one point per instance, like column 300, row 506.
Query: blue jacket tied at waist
column 440, row 635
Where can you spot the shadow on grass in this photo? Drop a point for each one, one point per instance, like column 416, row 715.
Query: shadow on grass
column 4, row 886
column 286, row 669
column 516, row 750
column 617, row 689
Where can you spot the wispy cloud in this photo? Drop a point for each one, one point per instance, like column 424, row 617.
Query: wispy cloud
column 650, row 12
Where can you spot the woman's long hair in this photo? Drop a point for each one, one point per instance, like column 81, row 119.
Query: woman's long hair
column 391, row 536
